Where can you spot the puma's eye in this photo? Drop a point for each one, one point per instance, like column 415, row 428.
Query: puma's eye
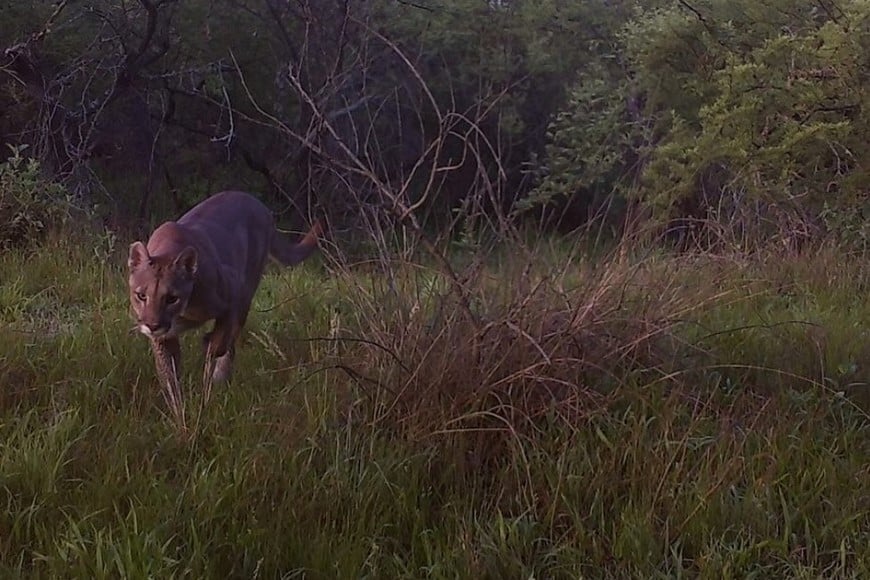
column 141, row 297
column 171, row 299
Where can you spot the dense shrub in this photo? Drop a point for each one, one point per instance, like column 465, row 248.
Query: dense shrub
column 746, row 114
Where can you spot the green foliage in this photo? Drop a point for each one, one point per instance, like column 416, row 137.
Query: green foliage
column 742, row 105
column 850, row 224
column 30, row 204
column 590, row 147
column 750, row 113
column 783, row 115
column 518, row 57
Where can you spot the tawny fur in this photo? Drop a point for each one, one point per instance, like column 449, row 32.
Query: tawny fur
column 206, row 266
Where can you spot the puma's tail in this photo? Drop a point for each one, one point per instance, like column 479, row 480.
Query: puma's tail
column 291, row 254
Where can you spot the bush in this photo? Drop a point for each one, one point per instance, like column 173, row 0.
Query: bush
column 30, row 204
column 750, row 118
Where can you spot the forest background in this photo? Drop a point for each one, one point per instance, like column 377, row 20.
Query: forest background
column 748, row 116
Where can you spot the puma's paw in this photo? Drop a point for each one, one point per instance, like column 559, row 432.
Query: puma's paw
column 223, row 367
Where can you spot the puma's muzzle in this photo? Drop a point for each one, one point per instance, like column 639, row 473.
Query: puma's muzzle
column 158, row 331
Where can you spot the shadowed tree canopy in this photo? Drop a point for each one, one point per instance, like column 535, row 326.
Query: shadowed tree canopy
column 737, row 112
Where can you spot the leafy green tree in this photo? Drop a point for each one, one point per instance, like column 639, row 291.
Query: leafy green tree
column 757, row 109
column 782, row 110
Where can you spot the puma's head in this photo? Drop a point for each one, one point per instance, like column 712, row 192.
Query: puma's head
column 160, row 287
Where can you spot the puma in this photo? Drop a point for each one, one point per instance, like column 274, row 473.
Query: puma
column 206, row 266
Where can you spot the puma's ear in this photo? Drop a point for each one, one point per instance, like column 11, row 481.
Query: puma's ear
column 187, row 260
column 138, row 256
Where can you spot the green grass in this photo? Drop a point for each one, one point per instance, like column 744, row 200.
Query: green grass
column 702, row 418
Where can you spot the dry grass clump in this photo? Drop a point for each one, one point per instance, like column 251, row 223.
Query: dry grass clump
column 537, row 345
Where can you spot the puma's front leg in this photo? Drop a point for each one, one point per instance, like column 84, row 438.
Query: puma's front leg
column 220, row 345
column 167, row 359
column 223, row 366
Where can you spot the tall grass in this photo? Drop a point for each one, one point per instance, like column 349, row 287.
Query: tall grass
column 664, row 416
